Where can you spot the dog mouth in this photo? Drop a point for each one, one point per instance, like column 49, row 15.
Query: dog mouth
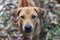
column 28, row 31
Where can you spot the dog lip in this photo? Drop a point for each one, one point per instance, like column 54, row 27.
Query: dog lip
column 27, row 31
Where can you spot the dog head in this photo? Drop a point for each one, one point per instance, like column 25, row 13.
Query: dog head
column 29, row 18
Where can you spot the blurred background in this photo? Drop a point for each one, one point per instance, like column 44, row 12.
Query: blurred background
column 51, row 20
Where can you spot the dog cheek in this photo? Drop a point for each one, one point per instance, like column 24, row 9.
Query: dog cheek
column 23, row 28
column 23, row 25
column 34, row 22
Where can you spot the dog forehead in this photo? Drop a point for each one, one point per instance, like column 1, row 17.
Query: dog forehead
column 28, row 11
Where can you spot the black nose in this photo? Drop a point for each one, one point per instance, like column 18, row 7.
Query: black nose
column 28, row 28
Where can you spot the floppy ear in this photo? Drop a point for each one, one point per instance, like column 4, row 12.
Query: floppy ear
column 40, row 13
column 16, row 12
column 16, row 18
column 15, row 15
column 19, row 22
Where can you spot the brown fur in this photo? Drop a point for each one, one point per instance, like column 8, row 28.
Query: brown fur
column 27, row 8
column 24, row 3
column 27, row 12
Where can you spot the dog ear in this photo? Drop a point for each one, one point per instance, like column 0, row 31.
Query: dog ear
column 16, row 12
column 40, row 12
column 16, row 18
column 19, row 23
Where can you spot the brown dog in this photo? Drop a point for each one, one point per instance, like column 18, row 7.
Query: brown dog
column 29, row 19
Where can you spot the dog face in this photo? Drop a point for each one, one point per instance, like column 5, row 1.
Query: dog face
column 28, row 18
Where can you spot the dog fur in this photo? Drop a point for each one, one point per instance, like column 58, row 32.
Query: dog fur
column 27, row 8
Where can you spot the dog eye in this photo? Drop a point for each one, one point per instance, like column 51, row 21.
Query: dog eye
column 22, row 17
column 33, row 17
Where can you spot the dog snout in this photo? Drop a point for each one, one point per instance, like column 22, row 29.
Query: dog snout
column 28, row 28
